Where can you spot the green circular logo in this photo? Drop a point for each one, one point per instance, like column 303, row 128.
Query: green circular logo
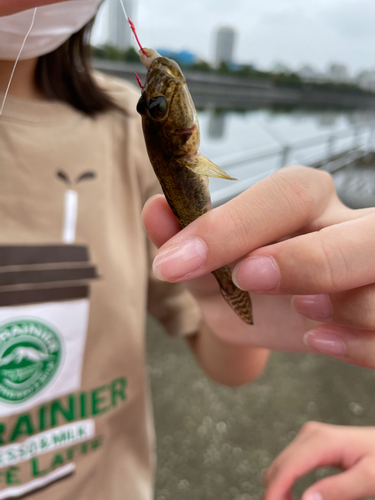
column 30, row 354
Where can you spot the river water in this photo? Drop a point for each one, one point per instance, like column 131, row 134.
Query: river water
column 228, row 135
column 224, row 133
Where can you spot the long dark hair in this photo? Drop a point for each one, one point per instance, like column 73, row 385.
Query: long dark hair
column 66, row 75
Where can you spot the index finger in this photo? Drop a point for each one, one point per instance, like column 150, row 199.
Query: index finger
column 337, row 258
column 274, row 208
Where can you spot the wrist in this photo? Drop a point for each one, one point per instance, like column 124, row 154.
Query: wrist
column 226, row 362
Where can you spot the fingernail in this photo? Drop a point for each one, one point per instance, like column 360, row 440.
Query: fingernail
column 180, row 260
column 312, row 496
column 258, row 274
column 317, row 307
column 325, row 341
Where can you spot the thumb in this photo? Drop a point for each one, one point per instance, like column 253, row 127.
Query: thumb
column 357, row 482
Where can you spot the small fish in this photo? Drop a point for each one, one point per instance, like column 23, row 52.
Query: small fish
column 171, row 131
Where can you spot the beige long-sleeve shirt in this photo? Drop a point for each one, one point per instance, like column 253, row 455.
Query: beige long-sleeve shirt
column 75, row 284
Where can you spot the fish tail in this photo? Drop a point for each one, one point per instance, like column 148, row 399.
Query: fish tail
column 238, row 299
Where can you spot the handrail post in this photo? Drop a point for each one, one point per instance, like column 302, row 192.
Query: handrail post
column 356, row 137
column 285, row 153
column 370, row 139
column 330, row 147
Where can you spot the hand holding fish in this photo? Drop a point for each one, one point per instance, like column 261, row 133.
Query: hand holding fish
column 324, row 256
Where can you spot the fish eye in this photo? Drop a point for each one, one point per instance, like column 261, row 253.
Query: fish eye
column 141, row 106
column 158, row 107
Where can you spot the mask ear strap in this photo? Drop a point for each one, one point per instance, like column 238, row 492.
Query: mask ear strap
column 15, row 64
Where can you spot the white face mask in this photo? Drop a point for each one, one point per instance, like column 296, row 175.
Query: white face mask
column 53, row 25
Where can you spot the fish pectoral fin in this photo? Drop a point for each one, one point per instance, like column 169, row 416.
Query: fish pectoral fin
column 201, row 165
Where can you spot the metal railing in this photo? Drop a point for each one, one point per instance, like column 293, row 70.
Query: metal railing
column 360, row 137
column 335, row 150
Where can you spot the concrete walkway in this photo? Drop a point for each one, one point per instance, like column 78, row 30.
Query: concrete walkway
column 215, row 442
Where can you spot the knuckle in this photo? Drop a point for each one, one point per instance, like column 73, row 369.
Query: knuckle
column 365, row 310
column 311, row 427
column 307, row 173
column 327, row 179
column 307, row 190
column 316, row 430
column 296, row 190
column 238, row 220
column 332, row 273
column 367, row 319
column 355, row 308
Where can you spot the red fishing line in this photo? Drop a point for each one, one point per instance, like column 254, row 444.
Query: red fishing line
column 136, row 36
column 139, row 81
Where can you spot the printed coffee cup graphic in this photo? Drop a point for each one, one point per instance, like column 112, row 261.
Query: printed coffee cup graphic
column 44, row 307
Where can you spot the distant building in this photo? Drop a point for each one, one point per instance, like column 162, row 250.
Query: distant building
column 307, row 72
column 338, row 73
column 224, row 45
column 280, row 67
column 366, row 80
column 119, row 33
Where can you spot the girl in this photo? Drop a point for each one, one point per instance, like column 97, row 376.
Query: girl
column 75, row 418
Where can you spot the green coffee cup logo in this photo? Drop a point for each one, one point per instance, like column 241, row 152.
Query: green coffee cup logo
column 30, row 355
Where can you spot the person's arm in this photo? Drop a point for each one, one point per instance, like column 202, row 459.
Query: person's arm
column 227, row 363
column 351, row 449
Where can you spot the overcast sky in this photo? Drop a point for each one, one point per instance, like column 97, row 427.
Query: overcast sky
column 294, row 32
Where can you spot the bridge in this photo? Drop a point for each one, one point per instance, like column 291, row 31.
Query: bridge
column 228, row 92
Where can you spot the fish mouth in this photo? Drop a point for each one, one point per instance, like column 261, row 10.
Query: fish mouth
column 186, row 131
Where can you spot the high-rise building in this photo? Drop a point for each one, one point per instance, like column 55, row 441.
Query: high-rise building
column 119, row 33
column 224, row 45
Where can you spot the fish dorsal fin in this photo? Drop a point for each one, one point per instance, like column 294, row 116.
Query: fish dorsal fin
column 199, row 164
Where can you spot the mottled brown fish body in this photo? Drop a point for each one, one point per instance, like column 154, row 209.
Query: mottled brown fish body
column 171, row 131
column 186, row 191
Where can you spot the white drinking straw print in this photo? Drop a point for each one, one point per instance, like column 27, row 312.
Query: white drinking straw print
column 70, row 216
column 71, row 204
